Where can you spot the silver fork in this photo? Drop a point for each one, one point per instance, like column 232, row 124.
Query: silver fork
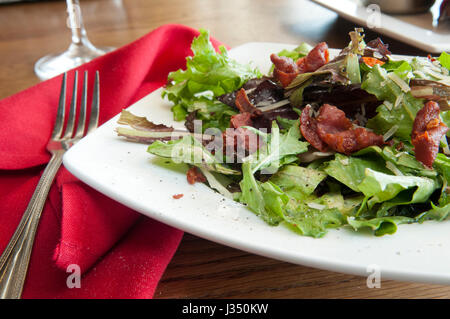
column 16, row 256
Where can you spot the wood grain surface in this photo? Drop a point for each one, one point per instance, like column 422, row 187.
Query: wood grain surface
column 200, row 268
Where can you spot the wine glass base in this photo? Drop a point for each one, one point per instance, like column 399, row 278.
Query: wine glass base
column 54, row 64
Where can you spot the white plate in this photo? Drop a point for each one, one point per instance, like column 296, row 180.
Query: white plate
column 417, row 30
column 125, row 172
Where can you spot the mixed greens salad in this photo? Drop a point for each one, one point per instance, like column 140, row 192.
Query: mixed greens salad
column 357, row 140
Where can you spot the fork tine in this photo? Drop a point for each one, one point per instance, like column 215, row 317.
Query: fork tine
column 59, row 123
column 73, row 108
column 93, row 121
column 82, row 117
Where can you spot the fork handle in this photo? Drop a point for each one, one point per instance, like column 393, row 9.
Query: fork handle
column 16, row 256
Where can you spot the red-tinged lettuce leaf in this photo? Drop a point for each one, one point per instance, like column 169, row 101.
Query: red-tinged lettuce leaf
column 377, row 49
column 148, row 137
column 142, row 130
column 141, row 123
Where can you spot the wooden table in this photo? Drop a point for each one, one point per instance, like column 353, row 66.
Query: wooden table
column 200, row 268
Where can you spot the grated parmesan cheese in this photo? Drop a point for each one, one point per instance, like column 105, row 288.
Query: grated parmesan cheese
column 400, row 82
column 316, row 206
column 391, row 132
column 393, row 169
column 273, row 106
column 398, row 100
column 388, row 105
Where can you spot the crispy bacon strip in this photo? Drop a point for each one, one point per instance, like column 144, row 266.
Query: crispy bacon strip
column 333, row 130
column 241, row 119
column 337, row 131
column 308, row 127
column 237, row 138
column 316, row 58
column 427, row 132
column 244, row 104
column 193, row 176
column 287, row 70
column 240, row 139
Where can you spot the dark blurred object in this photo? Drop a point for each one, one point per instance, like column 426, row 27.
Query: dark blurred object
column 402, row 6
column 444, row 12
column 15, row 1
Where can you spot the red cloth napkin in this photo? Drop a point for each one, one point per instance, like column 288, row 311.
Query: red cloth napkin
column 121, row 254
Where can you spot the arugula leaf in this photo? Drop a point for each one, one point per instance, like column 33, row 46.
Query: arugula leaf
column 436, row 213
column 382, row 225
column 280, row 149
column 190, row 151
column 442, row 165
column 265, row 201
column 353, row 71
column 219, row 183
column 285, row 123
column 445, row 117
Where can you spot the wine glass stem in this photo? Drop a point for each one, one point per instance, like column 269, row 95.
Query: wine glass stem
column 76, row 22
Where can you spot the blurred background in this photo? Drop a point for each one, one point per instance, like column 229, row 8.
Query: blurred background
column 32, row 29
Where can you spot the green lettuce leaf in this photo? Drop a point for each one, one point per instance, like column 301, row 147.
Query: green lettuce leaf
column 274, row 206
column 350, row 171
column 295, row 54
column 400, row 107
column 440, row 212
column 279, row 149
column 380, row 187
column 402, row 162
column 208, row 74
column 381, row 226
column 442, row 165
column 436, row 213
column 445, row 117
column 264, row 199
column 425, row 69
column 371, row 177
column 312, row 221
column 300, row 51
column 444, row 59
